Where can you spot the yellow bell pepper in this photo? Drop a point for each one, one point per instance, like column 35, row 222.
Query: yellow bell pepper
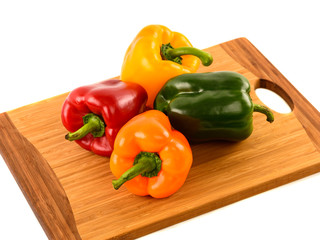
column 154, row 57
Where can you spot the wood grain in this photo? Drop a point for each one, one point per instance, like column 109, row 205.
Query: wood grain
column 70, row 189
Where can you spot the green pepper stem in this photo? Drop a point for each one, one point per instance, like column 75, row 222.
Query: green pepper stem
column 266, row 111
column 205, row 57
column 92, row 124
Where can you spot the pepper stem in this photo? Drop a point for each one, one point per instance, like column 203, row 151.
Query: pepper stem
column 91, row 124
column 266, row 111
column 146, row 164
column 174, row 54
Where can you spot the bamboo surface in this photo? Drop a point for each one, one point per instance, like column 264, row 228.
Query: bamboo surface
column 70, row 189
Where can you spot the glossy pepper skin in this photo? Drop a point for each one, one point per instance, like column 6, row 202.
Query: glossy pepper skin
column 95, row 113
column 151, row 60
column 210, row 106
column 150, row 158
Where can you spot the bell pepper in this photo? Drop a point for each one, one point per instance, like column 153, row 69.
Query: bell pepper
column 150, row 158
column 158, row 54
column 95, row 113
column 210, row 106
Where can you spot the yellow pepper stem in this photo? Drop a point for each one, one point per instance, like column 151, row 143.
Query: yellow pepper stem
column 174, row 54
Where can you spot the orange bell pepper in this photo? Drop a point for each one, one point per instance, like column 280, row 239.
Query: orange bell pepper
column 154, row 57
column 150, row 158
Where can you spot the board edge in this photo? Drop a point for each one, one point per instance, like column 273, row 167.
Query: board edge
column 248, row 56
column 38, row 182
column 225, row 201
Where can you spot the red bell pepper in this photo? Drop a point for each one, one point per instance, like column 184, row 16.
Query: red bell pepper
column 94, row 114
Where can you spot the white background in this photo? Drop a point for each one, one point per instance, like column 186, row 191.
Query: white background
column 50, row 47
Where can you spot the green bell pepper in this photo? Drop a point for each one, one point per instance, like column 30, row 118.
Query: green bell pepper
column 210, row 106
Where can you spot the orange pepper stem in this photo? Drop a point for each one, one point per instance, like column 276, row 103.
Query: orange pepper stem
column 91, row 124
column 146, row 164
column 174, row 54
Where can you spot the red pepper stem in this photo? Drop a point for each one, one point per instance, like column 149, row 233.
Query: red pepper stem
column 92, row 124
column 146, row 164
column 266, row 111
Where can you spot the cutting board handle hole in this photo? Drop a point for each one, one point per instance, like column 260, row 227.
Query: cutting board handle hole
column 274, row 96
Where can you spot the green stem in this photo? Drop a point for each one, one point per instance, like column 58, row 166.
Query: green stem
column 91, row 124
column 174, row 54
column 145, row 164
column 266, row 111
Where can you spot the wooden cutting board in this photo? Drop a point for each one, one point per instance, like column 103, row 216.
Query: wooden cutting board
column 70, row 190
